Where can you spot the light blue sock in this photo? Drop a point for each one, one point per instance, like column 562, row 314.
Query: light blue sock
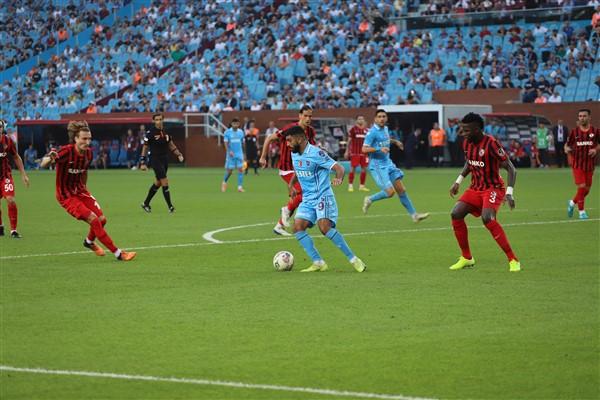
column 240, row 178
column 309, row 246
column 226, row 176
column 339, row 241
column 405, row 200
column 379, row 196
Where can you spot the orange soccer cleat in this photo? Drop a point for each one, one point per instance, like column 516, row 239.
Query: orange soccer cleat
column 127, row 255
column 94, row 247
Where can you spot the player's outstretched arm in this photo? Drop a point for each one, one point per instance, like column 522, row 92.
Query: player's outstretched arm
column 463, row 174
column 339, row 174
column 21, row 167
column 512, row 178
column 263, row 155
column 398, row 143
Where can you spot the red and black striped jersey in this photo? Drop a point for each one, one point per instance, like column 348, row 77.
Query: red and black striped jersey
column 484, row 159
column 357, row 138
column 581, row 142
column 285, row 153
column 7, row 148
column 71, row 171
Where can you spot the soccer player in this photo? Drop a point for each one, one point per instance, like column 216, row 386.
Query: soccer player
column 356, row 138
column 384, row 172
column 233, row 141
column 7, row 184
column 583, row 145
column 318, row 206
column 159, row 143
column 72, row 162
column 484, row 156
column 286, row 169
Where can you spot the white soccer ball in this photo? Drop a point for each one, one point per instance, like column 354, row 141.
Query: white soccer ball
column 283, row 261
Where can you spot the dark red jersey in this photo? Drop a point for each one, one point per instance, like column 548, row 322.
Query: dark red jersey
column 357, row 138
column 71, row 171
column 285, row 153
column 581, row 142
column 7, row 148
column 484, row 159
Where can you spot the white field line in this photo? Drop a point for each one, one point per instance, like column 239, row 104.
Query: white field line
column 209, row 382
column 366, row 233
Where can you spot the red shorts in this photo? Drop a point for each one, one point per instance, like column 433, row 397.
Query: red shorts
column 81, row 206
column 7, row 187
column 359, row 159
column 287, row 178
column 480, row 199
column 583, row 177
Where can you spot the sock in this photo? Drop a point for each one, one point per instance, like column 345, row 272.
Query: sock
column 339, row 241
column 363, row 177
column 226, row 176
column 379, row 196
column 462, row 237
column 351, row 177
column 405, row 200
column 151, row 192
column 103, row 236
column 91, row 235
column 500, row 237
column 580, row 198
column 167, row 195
column 294, row 202
column 240, row 178
column 12, row 215
column 308, row 245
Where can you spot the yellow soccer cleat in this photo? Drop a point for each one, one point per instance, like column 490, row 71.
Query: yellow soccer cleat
column 462, row 263
column 363, row 188
column 358, row 264
column 514, row 266
column 316, row 268
column 350, row 188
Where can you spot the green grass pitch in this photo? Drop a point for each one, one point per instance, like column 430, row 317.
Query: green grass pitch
column 406, row 328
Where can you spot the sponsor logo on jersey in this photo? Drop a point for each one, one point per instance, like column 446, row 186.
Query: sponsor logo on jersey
column 476, row 163
column 76, row 171
column 585, row 143
column 3, row 154
column 304, row 174
column 481, row 152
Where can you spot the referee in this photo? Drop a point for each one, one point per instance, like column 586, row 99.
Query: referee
column 159, row 144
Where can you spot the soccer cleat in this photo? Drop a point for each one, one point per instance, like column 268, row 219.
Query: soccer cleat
column 350, row 188
column 363, row 188
column 285, row 216
column 1, row 230
column 171, row 209
column 366, row 204
column 570, row 209
column 462, row 263
column 146, row 207
column 241, row 189
column 94, row 247
column 358, row 264
column 583, row 215
column 280, row 230
column 514, row 266
column 15, row 235
column 223, row 186
column 316, row 268
column 418, row 217
column 127, row 255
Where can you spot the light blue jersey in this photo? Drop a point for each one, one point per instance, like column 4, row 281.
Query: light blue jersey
column 378, row 138
column 383, row 170
column 234, row 139
column 312, row 169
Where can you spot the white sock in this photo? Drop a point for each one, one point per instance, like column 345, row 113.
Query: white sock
column 117, row 253
column 581, row 212
column 571, row 203
column 353, row 259
column 320, row 263
column 88, row 241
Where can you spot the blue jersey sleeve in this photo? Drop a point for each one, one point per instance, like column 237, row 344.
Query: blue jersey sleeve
column 371, row 139
column 323, row 160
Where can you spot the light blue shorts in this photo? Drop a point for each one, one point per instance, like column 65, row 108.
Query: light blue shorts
column 234, row 163
column 385, row 176
column 325, row 208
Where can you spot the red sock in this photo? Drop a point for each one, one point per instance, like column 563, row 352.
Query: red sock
column 13, row 215
column 462, row 236
column 500, row 237
column 580, row 198
column 91, row 235
column 294, row 202
column 363, row 176
column 351, row 177
column 103, row 236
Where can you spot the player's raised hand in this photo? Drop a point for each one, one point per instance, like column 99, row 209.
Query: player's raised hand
column 143, row 167
column 263, row 162
column 511, row 202
column 336, row 181
column 454, row 189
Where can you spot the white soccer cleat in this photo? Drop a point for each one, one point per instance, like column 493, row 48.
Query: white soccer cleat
column 285, row 216
column 241, row 189
column 366, row 204
column 418, row 217
column 223, row 186
column 280, row 230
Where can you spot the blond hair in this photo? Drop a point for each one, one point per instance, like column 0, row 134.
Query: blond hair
column 75, row 127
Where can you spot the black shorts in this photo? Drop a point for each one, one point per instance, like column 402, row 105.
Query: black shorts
column 160, row 168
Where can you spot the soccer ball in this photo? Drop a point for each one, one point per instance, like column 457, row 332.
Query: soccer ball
column 283, row 261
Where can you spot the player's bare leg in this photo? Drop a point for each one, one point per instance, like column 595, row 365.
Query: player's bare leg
column 488, row 216
column 407, row 203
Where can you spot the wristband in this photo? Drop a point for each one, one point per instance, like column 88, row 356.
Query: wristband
column 459, row 179
column 143, row 160
column 509, row 190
